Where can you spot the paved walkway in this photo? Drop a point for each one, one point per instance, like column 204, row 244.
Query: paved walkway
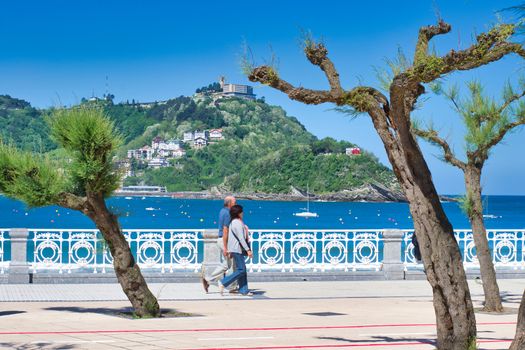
column 284, row 315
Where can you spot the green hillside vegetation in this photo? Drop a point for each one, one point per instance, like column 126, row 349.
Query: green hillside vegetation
column 23, row 125
column 264, row 150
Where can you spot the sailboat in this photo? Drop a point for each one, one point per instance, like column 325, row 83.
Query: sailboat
column 307, row 213
column 487, row 215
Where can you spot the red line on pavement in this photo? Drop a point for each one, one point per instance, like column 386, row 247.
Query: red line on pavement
column 331, row 346
column 238, row 329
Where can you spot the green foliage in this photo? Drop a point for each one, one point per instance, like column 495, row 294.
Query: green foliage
column 257, row 134
column 466, row 203
column 89, row 138
column 213, row 87
column 395, row 66
column 29, row 177
column 254, row 131
column 17, row 115
column 131, row 121
column 298, row 166
column 485, row 117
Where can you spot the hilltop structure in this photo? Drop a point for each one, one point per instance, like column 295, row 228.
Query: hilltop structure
column 236, row 90
column 226, row 90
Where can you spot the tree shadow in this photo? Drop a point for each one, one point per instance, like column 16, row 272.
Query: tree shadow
column 386, row 339
column 13, row 312
column 381, row 339
column 36, row 346
column 125, row 312
column 512, row 298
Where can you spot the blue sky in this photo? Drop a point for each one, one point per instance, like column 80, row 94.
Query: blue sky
column 60, row 51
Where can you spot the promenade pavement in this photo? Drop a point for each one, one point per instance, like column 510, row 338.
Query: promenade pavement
column 282, row 315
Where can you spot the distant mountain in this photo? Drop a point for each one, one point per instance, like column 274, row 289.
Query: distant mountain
column 264, row 150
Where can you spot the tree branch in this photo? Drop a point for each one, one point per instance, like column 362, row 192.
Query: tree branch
column 433, row 137
column 267, row 75
column 489, row 47
column 483, row 150
column 317, row 54
column 509, row 101
column 425, row 35
column 71, row 201
column 361, row 97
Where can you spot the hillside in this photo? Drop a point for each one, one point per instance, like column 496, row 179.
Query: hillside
column 263, row 150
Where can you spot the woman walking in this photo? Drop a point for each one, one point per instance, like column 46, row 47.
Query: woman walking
column 238, row 248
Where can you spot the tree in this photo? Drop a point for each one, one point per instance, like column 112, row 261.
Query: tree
column 391, row 117
column 81, row 183
column 487, row 122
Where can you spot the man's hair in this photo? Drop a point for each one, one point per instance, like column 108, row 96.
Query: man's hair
column 228, row 200
column 235, row 211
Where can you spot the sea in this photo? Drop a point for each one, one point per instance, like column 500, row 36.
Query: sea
column 502, row 212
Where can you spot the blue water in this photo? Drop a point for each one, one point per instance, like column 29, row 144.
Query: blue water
column 185, row 213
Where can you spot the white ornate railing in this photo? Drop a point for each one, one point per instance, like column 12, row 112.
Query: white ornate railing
column 3, row 239
column 320, row 250
column 167, row 251
column 507, row 247
column 67, row 250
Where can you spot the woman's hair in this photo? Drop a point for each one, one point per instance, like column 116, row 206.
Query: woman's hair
column 235, row 211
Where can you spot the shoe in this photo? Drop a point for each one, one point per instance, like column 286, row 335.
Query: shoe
column 221, row 287
column 234, row 291
column 205, row 284
column 249, row 294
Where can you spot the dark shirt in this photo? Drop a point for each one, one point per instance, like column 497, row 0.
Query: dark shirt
column 224, row 219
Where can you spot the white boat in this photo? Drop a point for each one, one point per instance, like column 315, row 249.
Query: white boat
column 491, row 216
column 487, row 215
column 128, row 198
column 150, row 208
column 307, row 213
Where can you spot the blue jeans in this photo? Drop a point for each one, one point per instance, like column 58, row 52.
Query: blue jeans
column 238, row 275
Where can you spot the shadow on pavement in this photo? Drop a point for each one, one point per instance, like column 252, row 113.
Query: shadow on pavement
column 36, row 345
column 381, row 339
column 124, row 312
column 507, row 297
column 13, row 312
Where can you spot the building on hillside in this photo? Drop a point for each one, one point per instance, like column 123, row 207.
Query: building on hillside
column 353, row 151
column 173, row 145
column 188, row 137
column 178, row 153
column 216, row 134
column 145, row 152
column 199, row 142
column 236, row 90
column 157, row 163
column 156, row 142
column 200, row 134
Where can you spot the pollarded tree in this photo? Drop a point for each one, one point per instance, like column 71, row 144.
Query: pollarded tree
column 391, row 117
column 487, row 122
column 82, row 183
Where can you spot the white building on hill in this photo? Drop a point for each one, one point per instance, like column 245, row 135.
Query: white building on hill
column 216, row 134
column 236, row 90
column 188, row 137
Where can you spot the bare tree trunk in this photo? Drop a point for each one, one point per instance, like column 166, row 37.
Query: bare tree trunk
column 479, row 232
column 126, row 269
column 519, row 339
column 456, row 323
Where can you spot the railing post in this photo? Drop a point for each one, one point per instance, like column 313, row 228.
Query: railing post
column 212, row 253
column 393, row 268
column 18, row 272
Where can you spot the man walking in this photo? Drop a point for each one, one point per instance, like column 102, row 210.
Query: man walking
column 222, row 242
